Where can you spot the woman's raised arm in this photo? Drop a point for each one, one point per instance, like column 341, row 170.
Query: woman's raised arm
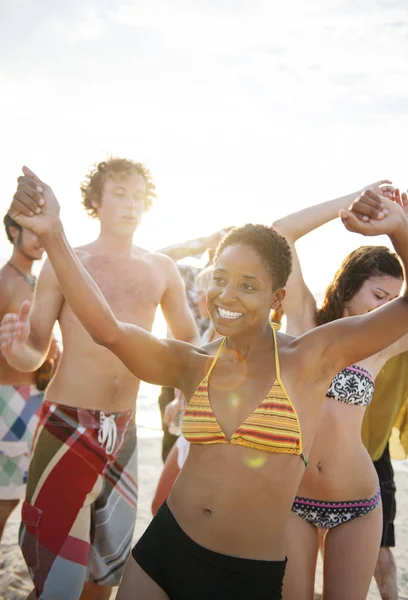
column 161, row 362
column 299, row 303
column 346, row 341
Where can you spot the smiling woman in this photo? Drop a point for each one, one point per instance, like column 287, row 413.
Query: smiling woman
column 233, row 296
column 257, row 394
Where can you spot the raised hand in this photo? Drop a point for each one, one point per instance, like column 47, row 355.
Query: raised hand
column 372, row 214
column 395, row 195
column 382, row 187
column 14, row 331
column 34, row 204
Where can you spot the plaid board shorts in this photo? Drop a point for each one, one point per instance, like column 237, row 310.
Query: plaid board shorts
column 19, row 409
column 80, row 508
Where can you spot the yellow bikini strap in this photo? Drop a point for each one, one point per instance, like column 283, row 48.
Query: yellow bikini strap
column 276, row 327
column 216, row 357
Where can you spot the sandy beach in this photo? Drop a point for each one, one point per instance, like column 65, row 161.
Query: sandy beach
column 14, row 580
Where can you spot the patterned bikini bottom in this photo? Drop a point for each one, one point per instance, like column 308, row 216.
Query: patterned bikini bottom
column 330, row 514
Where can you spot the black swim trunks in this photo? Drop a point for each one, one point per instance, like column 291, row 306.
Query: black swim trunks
column 187, row 571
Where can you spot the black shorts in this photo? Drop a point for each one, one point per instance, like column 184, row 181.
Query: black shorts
column 385, row 474
column 185, row 570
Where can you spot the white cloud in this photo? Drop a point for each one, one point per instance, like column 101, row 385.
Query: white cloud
column 86, row 26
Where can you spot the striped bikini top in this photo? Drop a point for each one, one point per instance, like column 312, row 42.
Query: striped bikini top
column 272, row 427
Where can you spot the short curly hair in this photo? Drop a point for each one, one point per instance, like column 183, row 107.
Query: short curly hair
column 272, row 247
column 92, row 185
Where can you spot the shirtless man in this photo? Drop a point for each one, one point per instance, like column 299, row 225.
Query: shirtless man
column 80, row 508
column 20, row 400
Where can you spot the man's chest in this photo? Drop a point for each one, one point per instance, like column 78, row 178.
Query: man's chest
column 18, row 293
column 130, row 287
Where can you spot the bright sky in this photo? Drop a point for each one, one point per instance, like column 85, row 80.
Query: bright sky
column 244, row 110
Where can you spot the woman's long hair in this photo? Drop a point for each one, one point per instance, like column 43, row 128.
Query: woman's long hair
column 356, row 268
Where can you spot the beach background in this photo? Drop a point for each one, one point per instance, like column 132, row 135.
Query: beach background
column 245, row 110
column 14, row 579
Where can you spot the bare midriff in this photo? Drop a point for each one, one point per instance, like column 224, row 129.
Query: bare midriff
column 235, row 500
column 339, row 467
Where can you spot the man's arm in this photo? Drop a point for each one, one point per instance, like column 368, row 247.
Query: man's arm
column 194, row 247
column 35, row 322
column 176, row 311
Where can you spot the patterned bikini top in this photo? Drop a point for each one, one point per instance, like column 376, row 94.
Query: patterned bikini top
column 272, row 427
column 353, row 385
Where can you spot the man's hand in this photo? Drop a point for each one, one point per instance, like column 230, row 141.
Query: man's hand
column 34, row 205
column 14, row 331
column 372, row 214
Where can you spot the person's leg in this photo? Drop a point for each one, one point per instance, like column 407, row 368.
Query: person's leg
column 167, row 395
column 18, row 419
column 93, row 591
column 302, row 546
column 137, row 585
column 13, row 476
column 386, row 575
column 113, row 517
column 350, row 555
column 6, row 508
column 63, row 482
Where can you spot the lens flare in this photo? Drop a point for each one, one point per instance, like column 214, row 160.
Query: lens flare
column 255, row 459
column 234, row 400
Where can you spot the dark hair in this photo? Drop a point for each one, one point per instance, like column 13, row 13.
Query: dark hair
column 92, row 186
column 9, row 222
column 356, row 268
column 271, row 246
